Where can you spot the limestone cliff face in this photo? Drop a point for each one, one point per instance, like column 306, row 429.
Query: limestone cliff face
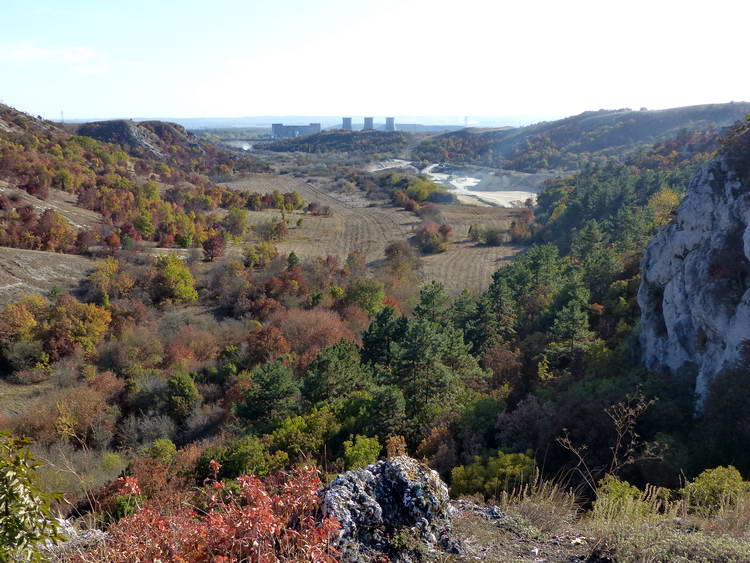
column 695, row 288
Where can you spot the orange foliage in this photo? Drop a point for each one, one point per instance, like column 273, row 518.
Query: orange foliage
column 306, row 330
column 265, row 522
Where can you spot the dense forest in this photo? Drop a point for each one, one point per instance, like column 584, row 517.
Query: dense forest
column 383, row 143
column 163, row 376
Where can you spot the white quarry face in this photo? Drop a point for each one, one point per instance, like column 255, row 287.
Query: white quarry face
column 695, row 286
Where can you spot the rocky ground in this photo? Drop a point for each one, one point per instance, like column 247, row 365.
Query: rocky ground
column 489, row 534
column 399, row 509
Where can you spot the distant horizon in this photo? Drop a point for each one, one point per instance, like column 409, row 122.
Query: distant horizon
column 512, row 120
column 326, row 120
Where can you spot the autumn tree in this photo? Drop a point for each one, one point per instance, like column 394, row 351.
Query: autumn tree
column 109, row 280
column 173, row 281
column 266, row 344
column 214, row 246
column 70, row 324
column 367, row 294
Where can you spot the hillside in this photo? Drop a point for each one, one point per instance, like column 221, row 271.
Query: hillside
column 143, row 184
column 568, row 143
column 388, row 143
column 167, row 142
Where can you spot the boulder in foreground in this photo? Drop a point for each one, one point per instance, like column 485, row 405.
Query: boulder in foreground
column 398, row 508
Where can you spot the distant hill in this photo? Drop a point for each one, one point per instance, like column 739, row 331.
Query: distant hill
column 164, row 141
column 362, row 142
column 568, row 143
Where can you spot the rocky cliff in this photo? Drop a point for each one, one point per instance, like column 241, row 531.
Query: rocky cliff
column 695, row 288
column 147, row 139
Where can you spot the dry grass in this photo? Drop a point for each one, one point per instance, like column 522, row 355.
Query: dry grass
column 33, row 271
column 654, row 529
column 466, row 265
column 17, row 399
column 547, row 505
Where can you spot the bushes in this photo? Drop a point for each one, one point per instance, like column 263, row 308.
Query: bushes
column 491, row 236
column 173, row 281
column 268, row 521
column 162, row 450
column 493, row 475
column 245, row 455
column 714, row 489
column 616, row 498
column 182, row 396
column 368, row 295
column 709, row 523
column 432, row 238
column 361, row 452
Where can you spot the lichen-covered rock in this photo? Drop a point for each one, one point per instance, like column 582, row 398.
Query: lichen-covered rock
column 695, row 289
column 73, row 541
column 398, row 508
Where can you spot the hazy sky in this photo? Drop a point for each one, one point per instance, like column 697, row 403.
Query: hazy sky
column 197, row 58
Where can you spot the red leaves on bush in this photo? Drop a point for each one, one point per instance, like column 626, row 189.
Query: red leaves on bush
column 266, row 521
column 306, row 330
column 266, row 344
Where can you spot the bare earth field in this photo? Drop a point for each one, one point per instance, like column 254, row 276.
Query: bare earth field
column 353, row 226
column 33, row 271
column 367, row 226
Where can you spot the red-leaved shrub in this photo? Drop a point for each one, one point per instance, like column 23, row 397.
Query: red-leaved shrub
column 305, row 330
column 264, row 522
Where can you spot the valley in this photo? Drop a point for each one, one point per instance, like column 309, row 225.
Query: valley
column 300, row 321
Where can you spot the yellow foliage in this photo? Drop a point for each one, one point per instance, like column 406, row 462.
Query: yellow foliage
column 662, row 205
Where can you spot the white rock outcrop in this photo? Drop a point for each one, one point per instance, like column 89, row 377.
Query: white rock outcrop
column 695, row 287
column 396, row 510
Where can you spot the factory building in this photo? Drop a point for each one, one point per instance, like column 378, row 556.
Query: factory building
column 368, row 124
column 390, row 123
column 281, row 131
column 347, row 124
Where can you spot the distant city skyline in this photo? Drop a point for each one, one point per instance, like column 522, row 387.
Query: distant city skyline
column 537, row 60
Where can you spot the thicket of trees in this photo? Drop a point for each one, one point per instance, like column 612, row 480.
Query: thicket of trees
column 381, row 143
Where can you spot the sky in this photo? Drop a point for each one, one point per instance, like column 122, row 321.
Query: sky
column 228, row 58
